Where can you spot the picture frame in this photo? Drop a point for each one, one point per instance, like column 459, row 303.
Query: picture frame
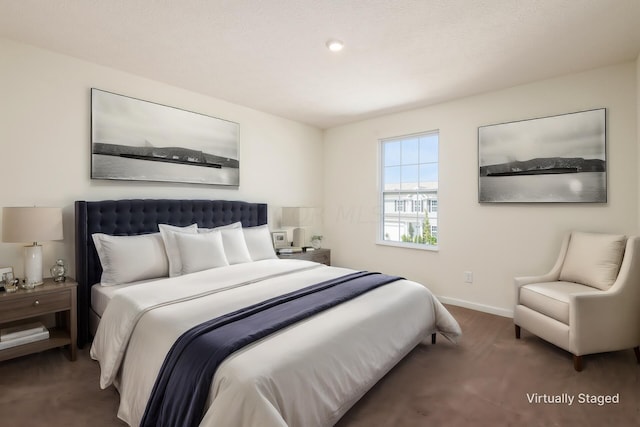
column 8, row 271
column 6, row 279
column 279, row 239
column 138, row 140
column 554, row 159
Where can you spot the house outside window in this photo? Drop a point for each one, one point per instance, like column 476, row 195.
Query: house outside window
column 409, row 190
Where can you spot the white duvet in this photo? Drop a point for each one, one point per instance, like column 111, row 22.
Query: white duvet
column 308, row 374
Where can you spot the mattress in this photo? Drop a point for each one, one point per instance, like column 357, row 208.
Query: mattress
column 308, row 374
column 101, row 295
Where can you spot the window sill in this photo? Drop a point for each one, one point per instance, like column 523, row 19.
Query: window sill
column 405, row 245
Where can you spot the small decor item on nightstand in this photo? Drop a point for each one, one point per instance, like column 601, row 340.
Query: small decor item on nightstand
column 279, row 239
column 316, row 241
column 8, row 283
column 31, row 224
column 59, row 271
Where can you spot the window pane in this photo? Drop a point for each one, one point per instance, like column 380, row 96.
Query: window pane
column 392, row 153
column 429, row 148
column 391, row 201
column 391, row 230
column 391, row 178
column 410, row 151
column 410, row 177
column 429, row 173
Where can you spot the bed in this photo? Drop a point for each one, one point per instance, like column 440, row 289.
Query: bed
column 309, row 373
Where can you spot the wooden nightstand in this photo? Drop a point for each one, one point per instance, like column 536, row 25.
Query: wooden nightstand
column 24, row 304
column 323, row 256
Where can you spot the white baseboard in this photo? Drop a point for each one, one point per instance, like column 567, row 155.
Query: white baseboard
column 478, row 307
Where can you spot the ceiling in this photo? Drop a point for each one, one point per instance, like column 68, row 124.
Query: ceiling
column 270, row 55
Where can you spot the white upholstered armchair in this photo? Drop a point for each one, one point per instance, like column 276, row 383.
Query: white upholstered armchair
column 590, row 301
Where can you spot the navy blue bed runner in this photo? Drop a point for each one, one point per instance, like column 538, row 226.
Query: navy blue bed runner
column 182, row 387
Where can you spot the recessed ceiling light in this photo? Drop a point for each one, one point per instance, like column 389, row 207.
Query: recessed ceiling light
column 335, row 45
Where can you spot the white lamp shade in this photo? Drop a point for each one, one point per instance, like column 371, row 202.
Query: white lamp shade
column 299, row 217
column 32, row 224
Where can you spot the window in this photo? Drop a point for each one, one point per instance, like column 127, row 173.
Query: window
column 409, row 190
column 417, row 205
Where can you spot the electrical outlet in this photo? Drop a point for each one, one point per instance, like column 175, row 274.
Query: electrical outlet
column 468, row 277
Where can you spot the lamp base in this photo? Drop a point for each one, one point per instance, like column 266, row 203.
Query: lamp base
column 298, row 237
column 33, row 266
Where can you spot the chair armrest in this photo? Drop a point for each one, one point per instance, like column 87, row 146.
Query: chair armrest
column 602, row 321
column 527, row 280
column 609, row 320
column 551, row 276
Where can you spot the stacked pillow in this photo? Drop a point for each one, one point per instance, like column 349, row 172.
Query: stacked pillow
column 175, row 251
column 200, row 252
column 168, row 234
column 128, row 259
column 235, row 248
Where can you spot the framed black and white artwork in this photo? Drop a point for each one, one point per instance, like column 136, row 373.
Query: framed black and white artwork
column 557, row 159
column 139, row 140
column 279, row 239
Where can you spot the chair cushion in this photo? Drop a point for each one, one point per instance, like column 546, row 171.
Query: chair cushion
column 551, row 298
column 593, row 259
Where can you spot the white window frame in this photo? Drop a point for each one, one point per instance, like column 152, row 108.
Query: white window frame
column 380, row 240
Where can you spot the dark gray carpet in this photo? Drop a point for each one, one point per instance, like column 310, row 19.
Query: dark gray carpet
column 484, row 380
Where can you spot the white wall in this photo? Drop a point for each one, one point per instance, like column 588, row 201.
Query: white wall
column 45, row 140
column 638, row 122
column 45, row 134
column 494, row 241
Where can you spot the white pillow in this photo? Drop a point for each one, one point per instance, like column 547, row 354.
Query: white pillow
column 259, row 242
column 200, row 251
column 593, row 259
column 127, row 259
column 168, row 233
column 235, row 247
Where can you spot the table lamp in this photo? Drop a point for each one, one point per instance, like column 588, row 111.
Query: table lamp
column 32, row 224
column 298, row 217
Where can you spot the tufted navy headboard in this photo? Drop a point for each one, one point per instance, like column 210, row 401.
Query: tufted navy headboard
column 142, row 216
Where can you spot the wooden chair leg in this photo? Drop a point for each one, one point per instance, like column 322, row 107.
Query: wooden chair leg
column 577, row 363
column 637, row 352
column 433, row 339
column 517, row 332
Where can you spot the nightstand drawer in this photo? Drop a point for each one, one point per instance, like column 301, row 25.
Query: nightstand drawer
column 34, row 305
column 323, row 256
